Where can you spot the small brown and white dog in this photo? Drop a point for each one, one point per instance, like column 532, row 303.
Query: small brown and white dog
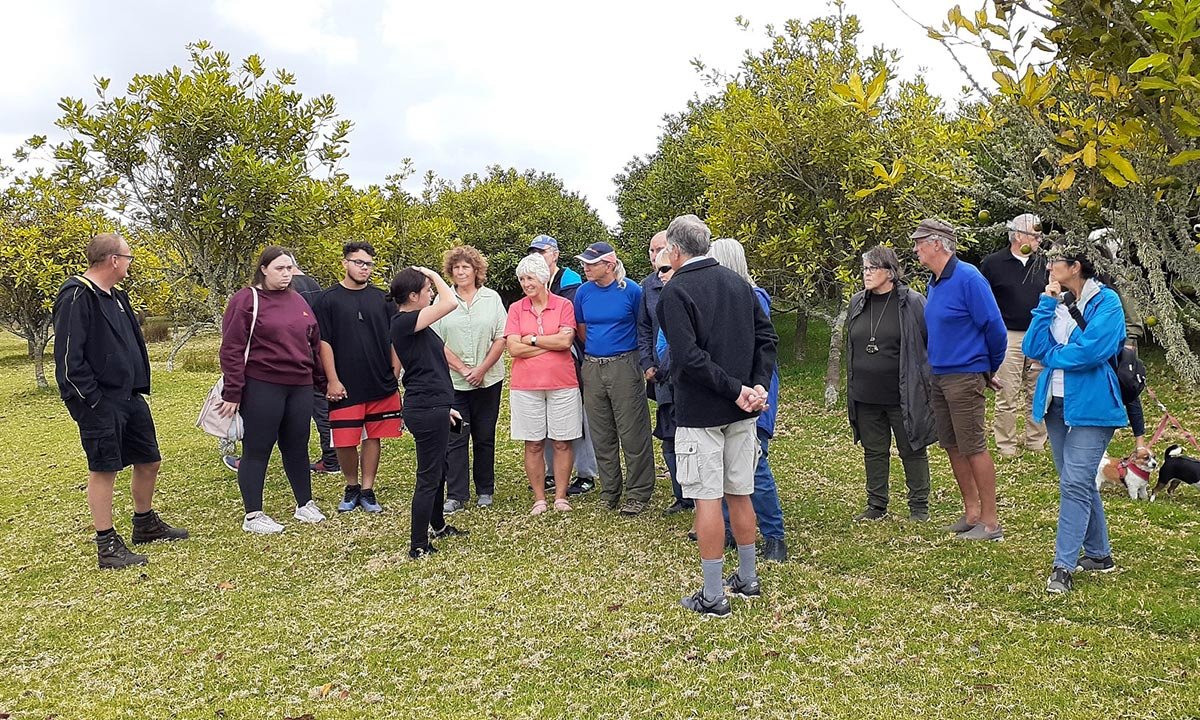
column 1131, row 473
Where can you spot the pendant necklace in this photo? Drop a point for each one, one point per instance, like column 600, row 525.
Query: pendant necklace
column 872, row 348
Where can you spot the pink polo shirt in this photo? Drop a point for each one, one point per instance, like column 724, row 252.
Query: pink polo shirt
column 553, row 370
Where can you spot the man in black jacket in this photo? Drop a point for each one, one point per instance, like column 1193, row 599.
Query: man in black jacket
column 103, row 374
column 722, row 349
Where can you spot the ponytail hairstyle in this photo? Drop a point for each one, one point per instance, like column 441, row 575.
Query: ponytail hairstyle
column 407, row 281
column 619, row 269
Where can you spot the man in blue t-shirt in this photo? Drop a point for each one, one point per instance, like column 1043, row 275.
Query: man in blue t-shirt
column 967, row 342
column 614, row 389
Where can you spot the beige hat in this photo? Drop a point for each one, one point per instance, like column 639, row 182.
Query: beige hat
column 931, row 227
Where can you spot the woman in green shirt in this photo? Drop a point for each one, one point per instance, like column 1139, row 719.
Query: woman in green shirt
column 474, row 338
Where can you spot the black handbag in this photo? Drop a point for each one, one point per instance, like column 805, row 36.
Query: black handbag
column 1131, row 371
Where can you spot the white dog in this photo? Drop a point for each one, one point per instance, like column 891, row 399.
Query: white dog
column 1132, row 473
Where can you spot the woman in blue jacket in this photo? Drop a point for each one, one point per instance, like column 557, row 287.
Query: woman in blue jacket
column 1077, row 326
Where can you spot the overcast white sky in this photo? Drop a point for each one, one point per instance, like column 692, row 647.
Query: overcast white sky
column 571, row 88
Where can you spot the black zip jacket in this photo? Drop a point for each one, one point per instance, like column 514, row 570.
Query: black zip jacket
column 88, row 349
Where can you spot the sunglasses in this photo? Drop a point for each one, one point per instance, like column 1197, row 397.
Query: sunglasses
column 664, row 269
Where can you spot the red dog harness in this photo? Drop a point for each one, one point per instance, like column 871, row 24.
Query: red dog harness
column 1125, row 467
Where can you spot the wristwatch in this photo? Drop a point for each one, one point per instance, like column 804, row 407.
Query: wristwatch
column 533, row 340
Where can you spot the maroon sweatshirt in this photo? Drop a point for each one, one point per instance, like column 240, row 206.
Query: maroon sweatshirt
column 285, row 346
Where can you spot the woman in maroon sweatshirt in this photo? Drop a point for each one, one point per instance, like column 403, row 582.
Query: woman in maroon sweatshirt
column 273, row 386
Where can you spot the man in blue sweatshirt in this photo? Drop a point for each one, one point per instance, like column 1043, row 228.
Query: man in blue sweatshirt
column 967, row 342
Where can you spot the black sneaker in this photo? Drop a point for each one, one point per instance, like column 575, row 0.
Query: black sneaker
column 447, row 531
column 152, row 527
column 743, row 588
column 418, row 553
column 774, row 550
column 1100, row 565
column 112, row 553
column 677, row 507
column 871, row 513
column 1060, row 581
column 549, row 482
column 581, row 485
column 718, row 608
column 350, row 498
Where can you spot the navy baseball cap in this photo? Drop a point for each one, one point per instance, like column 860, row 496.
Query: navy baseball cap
column 597, row 252
column 543, row 242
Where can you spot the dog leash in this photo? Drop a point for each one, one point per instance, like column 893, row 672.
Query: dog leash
column 1168, row 420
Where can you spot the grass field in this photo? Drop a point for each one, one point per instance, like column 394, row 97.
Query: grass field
column 575, row 615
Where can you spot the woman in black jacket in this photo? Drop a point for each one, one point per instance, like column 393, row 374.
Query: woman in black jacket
column 887, row 382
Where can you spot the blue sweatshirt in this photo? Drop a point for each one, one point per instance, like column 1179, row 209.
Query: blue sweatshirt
column 966, row 331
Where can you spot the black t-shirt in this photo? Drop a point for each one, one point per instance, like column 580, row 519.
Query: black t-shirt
column 123, row 321
column 426, row 373
column 877, row 374
column 308, row 288
column 355, row 323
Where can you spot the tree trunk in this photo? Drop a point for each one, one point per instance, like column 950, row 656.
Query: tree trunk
column 182, row 340
column 833, row 369
column 800, row 341
column 37, row 353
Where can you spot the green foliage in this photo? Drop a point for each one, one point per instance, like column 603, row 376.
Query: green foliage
column 217, row 161
column 44, row 225
column 1103, row 133
column 497, row 213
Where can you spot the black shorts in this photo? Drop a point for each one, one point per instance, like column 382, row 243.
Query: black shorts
column 117, row 433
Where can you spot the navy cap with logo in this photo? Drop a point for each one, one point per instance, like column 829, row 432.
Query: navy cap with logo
column 597, row 252
column 543, row 242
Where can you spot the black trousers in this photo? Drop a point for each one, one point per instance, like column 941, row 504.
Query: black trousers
column 481, row 408
column 320, row 416
column 876, row 426
column 274, row 414
column 430, row 428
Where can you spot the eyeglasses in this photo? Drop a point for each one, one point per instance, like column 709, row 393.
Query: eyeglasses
column 664, row 269
column 872, row 268
column 366, row 264
column 127, row 257
column 536, row 251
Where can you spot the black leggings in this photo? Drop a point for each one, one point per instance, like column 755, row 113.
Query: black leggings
column 430, row 428
column 1137, row 419
column 274, row 414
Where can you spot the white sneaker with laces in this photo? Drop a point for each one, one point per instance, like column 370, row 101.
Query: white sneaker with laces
column 260, row 523
column 309, row 513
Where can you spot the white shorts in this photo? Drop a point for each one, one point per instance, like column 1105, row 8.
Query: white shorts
column 717, row 461
column 541, row 414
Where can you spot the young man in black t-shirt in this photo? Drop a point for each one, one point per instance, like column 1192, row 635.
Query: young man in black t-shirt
column 364, row 405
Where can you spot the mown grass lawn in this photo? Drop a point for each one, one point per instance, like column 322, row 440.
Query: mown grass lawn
column 574, row 615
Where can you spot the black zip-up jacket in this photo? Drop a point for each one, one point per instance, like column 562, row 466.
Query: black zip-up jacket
column 720, row 339
column 88, row 349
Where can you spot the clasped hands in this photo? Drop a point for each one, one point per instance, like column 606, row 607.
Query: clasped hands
column 752, row 399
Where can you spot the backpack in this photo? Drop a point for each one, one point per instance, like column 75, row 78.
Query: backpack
column 1131, row 371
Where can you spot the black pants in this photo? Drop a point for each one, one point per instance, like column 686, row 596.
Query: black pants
column 320, row 415
column 1137, row 419
column 274, row 414
column 480, row 408
column 876, row 426
column 430, row 428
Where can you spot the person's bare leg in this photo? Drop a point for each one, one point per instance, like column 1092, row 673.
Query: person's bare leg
column 564, row 459
column 145, row 476
column 741, row 519
column 535, row 468
column 100, row 497
column 964, row 476
column 348, row 459
column 710, row 528
column 369, row 461
column 983, row 470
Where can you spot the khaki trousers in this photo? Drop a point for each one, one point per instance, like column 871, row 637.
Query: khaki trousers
column 1018, row 374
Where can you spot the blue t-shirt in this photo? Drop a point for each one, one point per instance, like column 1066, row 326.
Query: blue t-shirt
column 611, row 316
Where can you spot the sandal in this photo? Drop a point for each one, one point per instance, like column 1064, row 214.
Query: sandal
column 562, row 505
column 539, row 507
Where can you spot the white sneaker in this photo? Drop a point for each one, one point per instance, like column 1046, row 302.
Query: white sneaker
column 309, row 513
column 260, row 524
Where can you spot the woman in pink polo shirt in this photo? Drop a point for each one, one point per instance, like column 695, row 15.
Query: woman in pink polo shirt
column 544, row 397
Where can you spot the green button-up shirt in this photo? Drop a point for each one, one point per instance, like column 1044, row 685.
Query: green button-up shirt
column 469, row 332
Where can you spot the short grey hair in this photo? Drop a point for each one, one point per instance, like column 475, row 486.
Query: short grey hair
column 534, row 266
column 730, row 254
column 1023, row 223
column 886, row 258
column 690, row 235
